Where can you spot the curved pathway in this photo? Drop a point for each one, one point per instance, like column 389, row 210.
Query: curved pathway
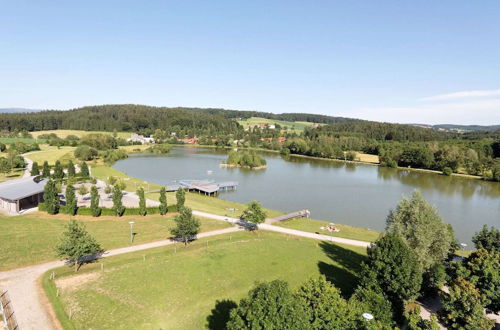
column 25, row 292
column 28, row 299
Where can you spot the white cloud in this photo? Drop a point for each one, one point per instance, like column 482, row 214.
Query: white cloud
column 483, row 112
column 462, row 95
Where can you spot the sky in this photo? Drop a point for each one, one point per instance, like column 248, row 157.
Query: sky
column 399, row 61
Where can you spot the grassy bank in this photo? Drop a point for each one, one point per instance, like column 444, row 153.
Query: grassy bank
column 51, row 154
column 30, row 239
column 163, row 289
column 314, row 226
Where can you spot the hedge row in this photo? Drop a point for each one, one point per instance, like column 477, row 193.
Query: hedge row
column 109, row 212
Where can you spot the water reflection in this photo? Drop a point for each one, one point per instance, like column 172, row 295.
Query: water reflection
column 359, row 195
column 466, row 187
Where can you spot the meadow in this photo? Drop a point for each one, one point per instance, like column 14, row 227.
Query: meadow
column 292, row 126
column 178, row 287
column 314, row 226
column 30, row 239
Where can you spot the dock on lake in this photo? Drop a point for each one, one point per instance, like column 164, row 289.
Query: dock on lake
column 296, row 214
column 207, row 187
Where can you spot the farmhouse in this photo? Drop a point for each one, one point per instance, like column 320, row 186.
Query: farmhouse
column 20, row 194
column 140, row 138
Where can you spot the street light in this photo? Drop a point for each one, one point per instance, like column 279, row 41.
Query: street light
column 367, row 316
column 131, row 223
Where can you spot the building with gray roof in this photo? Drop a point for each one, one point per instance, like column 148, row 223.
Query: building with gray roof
column 20, row 194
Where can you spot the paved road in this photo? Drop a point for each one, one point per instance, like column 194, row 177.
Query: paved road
column 29, row 164
column 25, row 293
column 288, row 231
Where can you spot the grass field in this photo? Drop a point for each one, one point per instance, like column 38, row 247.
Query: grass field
column 14, row 174
column 163, row 289
column 297, row 126
column 367, row 158
column 63, row 133
column 30, row 239
column 314, row 226
column 51, row 154
column 24, row 140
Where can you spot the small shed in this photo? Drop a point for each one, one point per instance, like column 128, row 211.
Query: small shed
column 19, row 194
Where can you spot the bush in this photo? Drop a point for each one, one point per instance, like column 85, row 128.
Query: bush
column 84, row 153
column 351, row 156
column 447, row 171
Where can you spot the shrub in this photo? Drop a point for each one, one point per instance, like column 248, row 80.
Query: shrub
column 84, row 153
column 447, row 171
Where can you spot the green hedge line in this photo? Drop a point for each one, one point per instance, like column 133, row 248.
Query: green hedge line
column 110, row 212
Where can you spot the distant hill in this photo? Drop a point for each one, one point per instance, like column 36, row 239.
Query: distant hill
column 17, row 110
column 452, row 127
column 459, row 128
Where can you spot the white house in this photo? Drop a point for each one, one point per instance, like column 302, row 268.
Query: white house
column 140, row 138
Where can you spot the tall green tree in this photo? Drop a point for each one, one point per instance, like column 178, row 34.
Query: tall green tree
column 254, row 213
column 482, row 268
column 375, row 302
column 487, row 239
column 142, row 201
column 84, row 170
column 118, row 207
column 45, row 170
column 71, row 169
column 35, row 170
column 393, row 268
column 324, row 306
column 51, row 197
column 58, row 171
column 187, row 226
column 180, row 196
column 163, row 201
column 269, row 306
column 462, row 307
column 422, row 229
column 71, row 203
column 4, row 166
column 94, row 202
column 76, row 244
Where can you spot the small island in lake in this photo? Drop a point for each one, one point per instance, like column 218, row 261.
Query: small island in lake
column 245, row 159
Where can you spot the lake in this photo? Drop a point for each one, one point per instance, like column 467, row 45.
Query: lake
column 358, row 195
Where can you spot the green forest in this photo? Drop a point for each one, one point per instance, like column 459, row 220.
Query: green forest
column 474, row 153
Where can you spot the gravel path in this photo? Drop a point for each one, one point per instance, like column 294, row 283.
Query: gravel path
column 24, row 290
column 289, row 231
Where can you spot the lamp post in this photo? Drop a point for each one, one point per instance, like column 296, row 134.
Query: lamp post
column 131, row 223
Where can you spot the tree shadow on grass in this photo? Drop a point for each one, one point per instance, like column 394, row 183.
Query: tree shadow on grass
column 220, row 314
column 342, row 274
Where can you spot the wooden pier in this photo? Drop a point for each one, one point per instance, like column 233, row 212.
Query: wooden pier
column 296, row 214
column 201, row 186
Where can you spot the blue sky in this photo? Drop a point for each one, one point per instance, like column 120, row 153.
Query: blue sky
column 399, row 61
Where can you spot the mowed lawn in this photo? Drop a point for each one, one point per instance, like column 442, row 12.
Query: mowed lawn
column 30, row 239
column 164, row 288
column 51, row 154
column 297, row 126
column 314, row 226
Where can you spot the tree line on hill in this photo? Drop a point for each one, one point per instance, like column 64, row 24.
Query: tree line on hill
column 475, row 153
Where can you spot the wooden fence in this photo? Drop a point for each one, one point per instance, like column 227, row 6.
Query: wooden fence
column 8, row 316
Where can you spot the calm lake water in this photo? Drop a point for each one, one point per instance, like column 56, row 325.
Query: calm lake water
column 358, row 195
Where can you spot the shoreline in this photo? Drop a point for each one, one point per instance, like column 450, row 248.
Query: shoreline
column 355, row 162
column 263, row 167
